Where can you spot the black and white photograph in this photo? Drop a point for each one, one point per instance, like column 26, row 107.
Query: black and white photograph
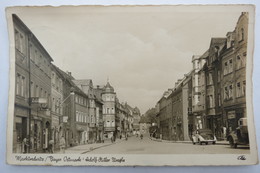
column 131, row 85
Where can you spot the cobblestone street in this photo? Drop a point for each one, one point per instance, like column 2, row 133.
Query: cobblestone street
column 135, row 145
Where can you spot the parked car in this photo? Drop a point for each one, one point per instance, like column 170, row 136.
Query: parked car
column 240, row 135
column 205, row 136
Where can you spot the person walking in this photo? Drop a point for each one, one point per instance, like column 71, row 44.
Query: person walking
column 25, row 145
column 50, row 147
column 141, row 136
column 62, row 145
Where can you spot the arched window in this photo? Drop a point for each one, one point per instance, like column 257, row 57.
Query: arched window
column 242, row 34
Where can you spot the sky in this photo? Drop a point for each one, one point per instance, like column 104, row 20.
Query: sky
column 142, row 50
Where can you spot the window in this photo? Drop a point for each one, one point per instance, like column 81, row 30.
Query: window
column 238, row 90
column 239, row 62
column 242, row 34
column 41, row 93
column 225, row 68
column 219, row 100
column 230, row 66
column 23, row 86
column 77, row 116
column 31, row 53
column 18, row 84
column 76, row 98
column 108, row 124
column 112, row 124
column 53, row 104
column 37, row 91
column 244, row 88
column 211, row 104
column 230, row 91
column 210, row 78
column 20, row 41
column 243, row 60
column 226, row 93
column 32, row 89
column 107, row 110
column 36, row 57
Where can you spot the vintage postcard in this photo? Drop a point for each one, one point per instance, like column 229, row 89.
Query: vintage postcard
column 131, row 85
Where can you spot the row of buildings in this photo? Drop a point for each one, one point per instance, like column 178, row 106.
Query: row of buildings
column 213, row 94
column 51, row 103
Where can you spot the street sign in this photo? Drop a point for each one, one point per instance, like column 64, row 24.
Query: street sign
column 38, row 100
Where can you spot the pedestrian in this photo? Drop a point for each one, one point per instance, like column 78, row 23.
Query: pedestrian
column 126, row 136
column 112, row 139
column 25, row 145
column 141, row 136
column 62, row 145
column 50, row 147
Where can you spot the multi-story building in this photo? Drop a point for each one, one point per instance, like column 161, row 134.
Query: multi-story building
column 214, row 118
column 56, row 104
column 165, row 115
column 109, row 114
column 21, row 111
column 33, row 89
column 75, row 121
column 99, row 115
column 180, row 109
column 86, row 85
column 198, row 92
column 137, row 117
column 233, row 74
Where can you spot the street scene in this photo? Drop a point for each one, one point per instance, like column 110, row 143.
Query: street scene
column 135, row 145
column 101, row 98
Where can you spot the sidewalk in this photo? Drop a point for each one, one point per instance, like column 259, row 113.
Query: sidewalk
column 222, row 142
column 82, row 149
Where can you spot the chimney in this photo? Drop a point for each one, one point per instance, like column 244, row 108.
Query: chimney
column 69, row 73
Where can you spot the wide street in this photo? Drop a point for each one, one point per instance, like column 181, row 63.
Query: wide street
column 135, row 145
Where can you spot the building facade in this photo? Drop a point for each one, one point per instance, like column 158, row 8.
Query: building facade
column 109, row 114
column 33, row 90
column 234, row 75
column 56, row 104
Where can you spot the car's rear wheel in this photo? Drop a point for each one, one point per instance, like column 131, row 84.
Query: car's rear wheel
column 193, row 142
column 206, row 143
column 199, row 142
column 214, row 143
column 232, row 143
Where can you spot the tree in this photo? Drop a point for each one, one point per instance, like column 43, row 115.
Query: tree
column 149, row 116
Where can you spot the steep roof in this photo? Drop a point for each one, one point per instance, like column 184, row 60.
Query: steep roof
column 205, row 55
column 108, row 88
column 87, row 82
column 68, row 78
column 17, row 20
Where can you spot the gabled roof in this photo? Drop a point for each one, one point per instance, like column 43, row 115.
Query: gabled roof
column 68, row 78
column 18, row 21
column 205, row 55
column 217, row 40
column 87, row 82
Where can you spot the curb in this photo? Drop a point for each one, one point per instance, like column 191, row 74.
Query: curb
column 185, row 142
column 94, row 148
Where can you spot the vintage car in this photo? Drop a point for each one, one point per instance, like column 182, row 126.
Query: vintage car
column 205, row 136
column 240, row 135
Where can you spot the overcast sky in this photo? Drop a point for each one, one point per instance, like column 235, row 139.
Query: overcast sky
column 143, row 50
